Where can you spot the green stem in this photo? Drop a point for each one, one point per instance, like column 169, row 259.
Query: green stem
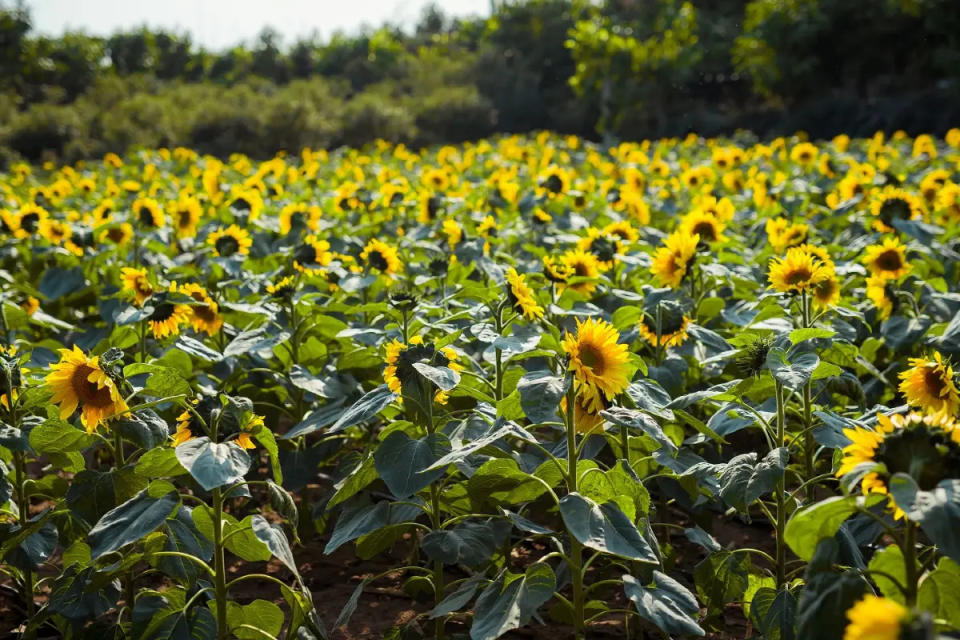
column 781, row 524
column 909, row 549
column 23, row 504
column 809, row 444
column 576, row 549
column 219, row 566
column 498, row 387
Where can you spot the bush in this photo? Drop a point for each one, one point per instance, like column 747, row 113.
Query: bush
column 43, row 131
column 454, row 114
column 370, row 116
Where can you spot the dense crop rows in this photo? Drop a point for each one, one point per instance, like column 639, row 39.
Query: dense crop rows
column 542, row 380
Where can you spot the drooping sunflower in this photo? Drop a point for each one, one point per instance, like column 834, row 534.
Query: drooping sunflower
column 673, row 331
column 204, row 316
column 893, row 203
column 801, row 269
column 623, row 230
column 118, row 234
column 136, row 282
column 597, row 359
column 185, row 214
column 522, row 296
column 147, row 212
column 930, row 385
column 230, row 241
column 586, row 409
column 396, row 350
column 78, row 381
column 381, row 256
column 826, row 293
column 312, row 255
column 247, row 201
column 55, row 231
column 783, row 235
column 253, row 424
column 875, row 618
column 671, row 261
column 881, row 295
column 927, row 447
column 887, row 259
column 555, row 270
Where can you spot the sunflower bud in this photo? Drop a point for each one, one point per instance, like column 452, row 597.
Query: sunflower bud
column 752, row 358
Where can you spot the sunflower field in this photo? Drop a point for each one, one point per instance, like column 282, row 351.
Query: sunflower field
column 530, row 386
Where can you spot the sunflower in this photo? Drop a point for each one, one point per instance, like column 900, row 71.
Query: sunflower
column 185, row 214
column 703, row 224
column 887, row 259
column 299, row 215
column 880, row 294
column 247, row 201
column 230, row 241
column 601, row 245
column 596, row 358
column 312, row 255
column 586, row 409
column 554, row 180
column 673, row 333
column 103, row 212
column 671, row 261
column 205, row 316
column 396, row 349
column 927, row 447
column 26, row 222
column 78, row 381
column 891, row 204
column 948, row 202
column 282, row 288
column 826, row 293
column 582, row 265
column 623, row 230
column 802, row 268
column 54, row 231
column 556, row 270
column 453, row 231
column 167, row 317
column 30, row 305
column 135, row 281
column 118, row 234
column 875, row 618
column 381, row 256
column 429, row 206
column 782, row 234
column 253, row 424
column 930, row 385
column 804, row 154
column 147, row 212
column 522, row 297
column 183, row 433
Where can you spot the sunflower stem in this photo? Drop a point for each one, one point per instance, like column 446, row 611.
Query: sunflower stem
column 809, row 444
column 781, row 524
column 909, row 550
column 219, row 578
column 23, row 505
column 575, row 560
column 498, row 388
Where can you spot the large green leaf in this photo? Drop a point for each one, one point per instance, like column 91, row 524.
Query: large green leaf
column 792, row 373
column 889, row 561
column 639, row 421
column 365, row 408
column 666, row 603
column 507, row 604
column 604, row 528
column 936, row 511
column 129, row 522
column 540, row 394
column 469, row 543
column 213, row 464
column 362, row 518
column 259, row 614
column 774, row 613
column 743, row 479
column 404, row 463
column 940, row 592
column 721, row 578
column 162, row 382
column 812, row 524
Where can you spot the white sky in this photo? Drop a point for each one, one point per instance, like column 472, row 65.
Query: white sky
column 220, row 24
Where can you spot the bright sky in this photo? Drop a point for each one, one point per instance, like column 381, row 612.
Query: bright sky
column 220, row 24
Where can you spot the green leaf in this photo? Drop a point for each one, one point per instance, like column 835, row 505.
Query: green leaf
column 145, row 429
column 129, row 522
column 722, row 577
column 794, row 373
column 362, row 518
column 744, row 480
column 239, row 535
column 301, row 378
column 651, row 397
column 774, row 613
column 889, row 561
column 162, row 382
column 365, row 408
column 56, row 436
column 810, row 333
column 604, row 528
column 213, row 464
column 469, row 543
column 253, row 341
column 403, row 462
column 940, row 592
column 501, row 482
column 444, row 378
column 275, row 539
column 159, row 463
column 639, row 421
column 540, row 394
column 259, row 614
column 667, row 604
column 458, row 598
column 936, row 511
column 508, row 604
column 812, row 524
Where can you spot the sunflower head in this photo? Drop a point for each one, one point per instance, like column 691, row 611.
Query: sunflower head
column 403, row 301
column 876, row 618
column 930, row 384
column 521, row 296
column 597, row 359
column 801, row 269
column 887, row 259
column 672, row 261
column 137, row 284
column 311, row 255
column 401, row 376
column 79, row 381
column 230, row 241
column 556, row 270
column 283, row 288
column 667, row 312
column 892, row 204
column 381, row 256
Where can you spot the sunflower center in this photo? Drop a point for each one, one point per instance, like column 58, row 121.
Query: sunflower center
column 227, row 246
column 185, row 218
column 377, row 260
column 29, row 222
column 205, row 313
column 163, row 312
column 554, row 184
column 305, row 254
column 705, row 230
column 895, row 209
column 89, row 393
column 889, row 260
column 798, row 276
column 241, row 204
column 933, row 381
column 591, row 357
column 145, row 216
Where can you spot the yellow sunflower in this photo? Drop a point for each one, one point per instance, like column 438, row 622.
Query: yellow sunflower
column 183, row 433
column 556, row 270
column 673, row 334
column 601, row 245
column 135, row 281
column 802, row 268
column 381, row 256
column 804, row 154
column 671, row 261
column 586, row 409
column 826, row 293
column 782, row 234
column 312, row 255
column 299, row 215
column 185, row 214
column 118, row 234
column 597, row 359
column 230, row 241
column 887, row 259
column 396, row 348
column 879, row 293
column 623, row 230
column 930, row 385
column 249, row 201
column 703, row 224
column 282, row 288
column 582, row 264
column 893, row 203
column 522, row 296
column 148, row 213
column 875, row 618
column 78, row 381
column 927, row 447
column 167, row 317
column 203, row 317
